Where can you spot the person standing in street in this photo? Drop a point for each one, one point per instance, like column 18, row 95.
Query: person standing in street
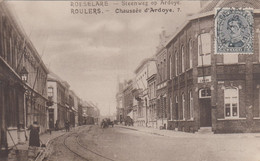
column 67, row 126
column 34, row 139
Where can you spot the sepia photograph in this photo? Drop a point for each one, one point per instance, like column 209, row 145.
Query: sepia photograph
column 130, row 80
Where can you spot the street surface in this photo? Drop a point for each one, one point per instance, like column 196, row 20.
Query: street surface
column 121, row 144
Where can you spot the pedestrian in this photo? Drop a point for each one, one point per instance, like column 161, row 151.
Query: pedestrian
column 67, row 126
column 57, row 125
column 50, row 125
column 34, row 139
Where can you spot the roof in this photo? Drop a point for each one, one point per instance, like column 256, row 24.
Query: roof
column 230, row 3
column 143, row 63
column 54, row 77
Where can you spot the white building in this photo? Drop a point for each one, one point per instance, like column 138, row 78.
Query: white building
column 146, row 69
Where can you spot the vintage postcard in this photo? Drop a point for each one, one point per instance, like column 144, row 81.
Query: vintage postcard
column 130, row 80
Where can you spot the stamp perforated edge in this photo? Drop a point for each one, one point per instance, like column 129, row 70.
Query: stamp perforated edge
column 215, row 32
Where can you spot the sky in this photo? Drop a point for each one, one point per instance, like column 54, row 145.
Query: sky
column 93, row 52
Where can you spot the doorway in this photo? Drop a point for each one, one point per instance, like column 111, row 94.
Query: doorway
column 205, row 107
column 205, row 112
column 51, row 118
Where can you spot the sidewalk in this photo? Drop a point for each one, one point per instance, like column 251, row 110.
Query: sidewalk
column 173, row 133
column 22, row 152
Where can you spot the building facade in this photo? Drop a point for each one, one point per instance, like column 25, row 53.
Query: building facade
column 91, row 113
column 127, row 99
column 71, row 109
column 119, row 103
column 205, row 89
column 75, row 106
column 152, row 108
column 23, row 78
column 59, row 111
column 146, row 68
column 161, row 88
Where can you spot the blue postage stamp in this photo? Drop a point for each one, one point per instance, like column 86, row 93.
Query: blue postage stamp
column 234, row 30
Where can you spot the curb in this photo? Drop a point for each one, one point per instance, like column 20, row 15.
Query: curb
column 127, row 128
column 153, row 133
column 195, row 135
column 42, row 155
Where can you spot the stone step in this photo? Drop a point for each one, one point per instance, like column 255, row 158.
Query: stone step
column 205, row 130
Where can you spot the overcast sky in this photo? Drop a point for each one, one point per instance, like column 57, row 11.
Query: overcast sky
column 91, row 51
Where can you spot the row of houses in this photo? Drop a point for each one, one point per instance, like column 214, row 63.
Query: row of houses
column 186, row 86
column 65, row 105
column 29, row 91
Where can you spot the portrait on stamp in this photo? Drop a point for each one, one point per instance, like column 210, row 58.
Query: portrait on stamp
column 233, row 30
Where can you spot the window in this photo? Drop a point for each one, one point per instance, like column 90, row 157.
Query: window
column 5, row 45
column 140, row 113
column 159, row 107
column 154, row 111
column 158, row 71
column 165, row 69
column 176, row 108
column 205, row 93
column 204, row 49
column 170, row 67
column 190, row 53
column 171, row 107
column 161, row 72
column 50, row 91
column 10, row 50
column 231, row 102
column 164, row 108
column 183, row 105
column 176, row 63
column 191, row 110
column 182, row 60
column 230, row 58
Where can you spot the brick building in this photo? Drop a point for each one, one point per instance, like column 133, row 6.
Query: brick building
column 205, row 89
column 161, row 87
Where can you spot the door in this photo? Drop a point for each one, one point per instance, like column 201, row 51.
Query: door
column 205, row 112
column 51, row 118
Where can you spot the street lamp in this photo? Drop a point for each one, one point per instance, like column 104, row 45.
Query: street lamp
column 24, row 75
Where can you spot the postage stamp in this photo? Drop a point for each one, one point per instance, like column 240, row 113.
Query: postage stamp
column 234, row 30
